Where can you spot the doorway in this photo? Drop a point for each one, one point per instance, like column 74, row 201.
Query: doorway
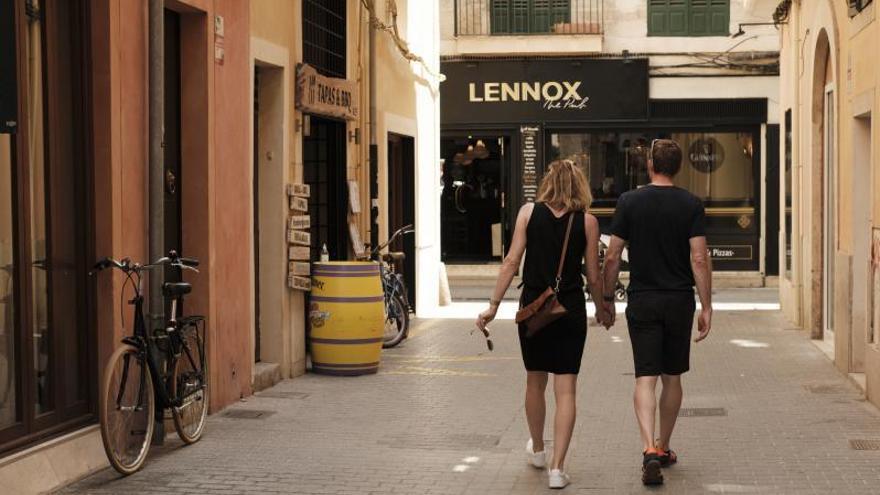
column 829, row 231
column 324, row 170
column 473, row 201
column 401, row 204
column 171, row 143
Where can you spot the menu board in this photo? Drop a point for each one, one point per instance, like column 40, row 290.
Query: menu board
column 530, row 136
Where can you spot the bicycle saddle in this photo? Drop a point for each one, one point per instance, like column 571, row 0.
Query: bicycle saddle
column 175, row 289
column 393, row 257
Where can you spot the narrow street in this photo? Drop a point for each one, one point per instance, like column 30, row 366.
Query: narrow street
column 769, row 413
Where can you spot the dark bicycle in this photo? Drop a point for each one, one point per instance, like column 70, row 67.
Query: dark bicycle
column 168, row 365
column 396, row 300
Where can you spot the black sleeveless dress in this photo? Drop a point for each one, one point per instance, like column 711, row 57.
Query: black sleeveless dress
column 558, row 347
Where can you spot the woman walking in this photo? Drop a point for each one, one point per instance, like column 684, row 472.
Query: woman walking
column 557, row 348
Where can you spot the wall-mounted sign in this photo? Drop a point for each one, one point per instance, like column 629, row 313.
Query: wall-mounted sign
column 299, row 283
column 299, row 222
column 706, row 155
column 299, row 237
column 741, row 253
column 354, row 197
column 554, row 90
column 530, row 147
column 357, row 244
column 8, row 73
column 301, row 190
column 299, row 253
column 299, row 204
column 322, row 95
column 299, row 268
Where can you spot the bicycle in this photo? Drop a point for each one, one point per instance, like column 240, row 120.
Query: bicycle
column 169, row 366
column 396, row 300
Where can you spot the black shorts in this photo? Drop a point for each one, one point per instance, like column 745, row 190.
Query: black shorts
column 660, row 325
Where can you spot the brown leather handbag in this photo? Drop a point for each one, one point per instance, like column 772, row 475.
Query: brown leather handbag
column 546, row 308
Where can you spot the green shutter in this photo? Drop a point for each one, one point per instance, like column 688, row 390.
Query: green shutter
column 709, row 17
column 527, row 16
column 667, row 17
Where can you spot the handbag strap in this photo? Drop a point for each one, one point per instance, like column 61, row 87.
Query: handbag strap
column 564, row 250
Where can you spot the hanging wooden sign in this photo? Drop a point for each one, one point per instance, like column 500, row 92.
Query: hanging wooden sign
column 299, row 253
column 300, row 238
column 299, row 222
column 322, row 95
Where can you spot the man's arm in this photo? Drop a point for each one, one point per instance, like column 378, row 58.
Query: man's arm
column 701, row 265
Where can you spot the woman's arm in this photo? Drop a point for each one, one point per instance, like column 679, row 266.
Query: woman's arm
column 509, row 266
column 591, row 258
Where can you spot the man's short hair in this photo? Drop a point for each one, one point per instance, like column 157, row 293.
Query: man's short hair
column 666, row 155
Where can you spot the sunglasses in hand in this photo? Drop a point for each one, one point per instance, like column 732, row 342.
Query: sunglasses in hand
column 485, row 332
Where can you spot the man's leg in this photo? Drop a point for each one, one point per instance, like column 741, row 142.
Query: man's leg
column 645, row 402
column 670, row 404
column 564, row 387
column 536, row 409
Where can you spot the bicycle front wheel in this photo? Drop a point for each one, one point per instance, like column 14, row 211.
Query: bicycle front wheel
column 127, row 409
column 190, row 383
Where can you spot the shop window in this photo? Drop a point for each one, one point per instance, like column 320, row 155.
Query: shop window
column 528, row 16
column 688, row 17
column 787, row 217
column 324, row 36
column 8, row 399
column 719, row 167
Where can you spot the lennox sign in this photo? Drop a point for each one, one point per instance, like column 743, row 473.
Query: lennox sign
column 518, row 91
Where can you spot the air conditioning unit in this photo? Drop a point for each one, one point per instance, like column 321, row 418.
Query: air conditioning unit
column 856, row 6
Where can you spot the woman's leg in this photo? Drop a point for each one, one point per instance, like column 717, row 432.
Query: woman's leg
column 536, row 409
column 564, row 387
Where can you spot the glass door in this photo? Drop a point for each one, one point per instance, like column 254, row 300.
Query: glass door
column 474, row 198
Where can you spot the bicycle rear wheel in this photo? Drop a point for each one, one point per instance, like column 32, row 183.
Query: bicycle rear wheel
column 127, row 409
column 190, row 382
column 396, row 321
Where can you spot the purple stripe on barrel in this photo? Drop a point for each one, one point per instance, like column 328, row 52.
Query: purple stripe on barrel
column 367, row 299
column 373, row 268
column 343, row 274
column 320, row 340
column 329, row 371
column 344, row 365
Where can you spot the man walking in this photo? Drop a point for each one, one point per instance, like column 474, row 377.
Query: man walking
column 664, row 227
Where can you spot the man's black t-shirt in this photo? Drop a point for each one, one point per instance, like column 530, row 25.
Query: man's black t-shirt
column 658, row 222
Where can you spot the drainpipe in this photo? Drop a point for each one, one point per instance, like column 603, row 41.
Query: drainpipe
column 155, row 169
column 374, row 148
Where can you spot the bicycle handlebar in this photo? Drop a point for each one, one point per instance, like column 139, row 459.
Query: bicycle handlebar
column 127, row 266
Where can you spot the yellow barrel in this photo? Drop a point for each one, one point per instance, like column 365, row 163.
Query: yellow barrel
column 347, row 316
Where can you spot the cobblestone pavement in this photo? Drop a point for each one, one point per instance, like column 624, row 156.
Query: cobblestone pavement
column 445, row 417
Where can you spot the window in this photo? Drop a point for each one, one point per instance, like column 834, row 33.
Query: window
column 856, row 6
column 788, row 185
column 528, row 16
column 688, row 17
column 324, row 36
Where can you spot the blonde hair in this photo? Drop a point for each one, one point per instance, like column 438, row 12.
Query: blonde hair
column 565, row 187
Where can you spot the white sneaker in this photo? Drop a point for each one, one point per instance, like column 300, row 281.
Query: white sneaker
column 537, row 459
column 558, row 479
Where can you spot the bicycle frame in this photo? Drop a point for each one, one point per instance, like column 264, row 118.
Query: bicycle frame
column 149, row 350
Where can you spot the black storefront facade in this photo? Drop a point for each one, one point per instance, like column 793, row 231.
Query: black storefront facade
column 504, row 120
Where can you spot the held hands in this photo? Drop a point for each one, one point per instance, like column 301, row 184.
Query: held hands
column 704, row 324
column 605, row 314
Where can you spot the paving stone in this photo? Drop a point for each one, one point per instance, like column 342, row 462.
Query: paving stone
column 445, row 416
